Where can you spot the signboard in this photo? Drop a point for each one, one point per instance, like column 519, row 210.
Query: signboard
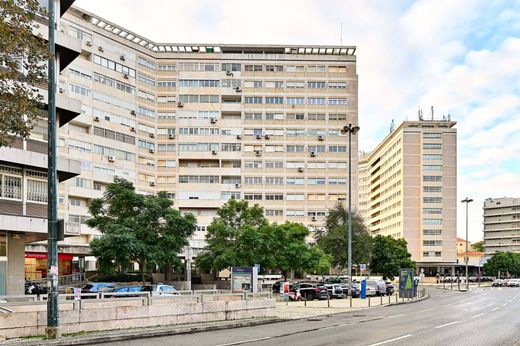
column 362, row 267
column 284, row 290
column 77, row 293
column 244, row 279
column 406, row 283
column 363, row 291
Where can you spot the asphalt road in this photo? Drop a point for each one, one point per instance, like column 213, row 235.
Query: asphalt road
column 487, row 316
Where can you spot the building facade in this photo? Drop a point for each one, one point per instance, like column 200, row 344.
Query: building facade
column 23, row 174
column 204, row 123
column 501, row 225
column 411, row 177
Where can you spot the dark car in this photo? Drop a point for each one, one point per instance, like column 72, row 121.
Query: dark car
column 389, row 288
column 277, row 285
column 310, row 291
column 355, row 288
column 95, row 287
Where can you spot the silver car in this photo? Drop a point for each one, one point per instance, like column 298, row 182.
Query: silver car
column 160, row 290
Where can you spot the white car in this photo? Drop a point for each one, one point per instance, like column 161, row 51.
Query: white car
column 513, row 283
column 160, row 290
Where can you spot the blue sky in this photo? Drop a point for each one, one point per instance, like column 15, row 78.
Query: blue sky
column 462, row 57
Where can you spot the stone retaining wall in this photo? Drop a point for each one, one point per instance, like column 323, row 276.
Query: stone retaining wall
column 106, row 314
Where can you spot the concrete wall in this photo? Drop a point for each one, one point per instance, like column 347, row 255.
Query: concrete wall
column 131, row 313
column 15, row 264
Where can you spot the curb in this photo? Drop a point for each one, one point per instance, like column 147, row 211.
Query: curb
column 409, row 301
column 137, row 334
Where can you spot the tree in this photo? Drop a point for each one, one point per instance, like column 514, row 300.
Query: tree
column 138, row 228
column 240, row 235
column 478, row 246
column 334, row 239
column 507, row 263
column 388, row 255
column 22, row 69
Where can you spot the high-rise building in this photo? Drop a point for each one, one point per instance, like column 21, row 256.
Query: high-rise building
column 205, row 123
column 501, row 225
column 412, row 189
column 23, row 175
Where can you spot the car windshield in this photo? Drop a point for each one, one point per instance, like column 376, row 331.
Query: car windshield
column 147, row 289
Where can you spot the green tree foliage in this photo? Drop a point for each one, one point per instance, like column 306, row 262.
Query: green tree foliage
column 334, row 238
column 138, row 228
column 21, row 69
column 388, row 255
column 478, row 246
column 240, row 235
column 503, row 262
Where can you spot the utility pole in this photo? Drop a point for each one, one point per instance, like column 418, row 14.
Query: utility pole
column 466, row 257
column 52, row 330
column 350, row 129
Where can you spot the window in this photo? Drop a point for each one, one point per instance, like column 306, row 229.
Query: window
column 199, row 83
column 315, row 85
column 432, row 157
column 253, row 99
column 432, row 242
column 295, row 213
column 432, row 253
column 274, row 196
column 337, row 101
column 295, row 84
column 166, row 84
column 295, row 197
column 253, row 68
column 432, row 210
column 432, row 178
column 146, row 63
column 432, row 221
column 199, row 98
column 274, row 68
column 273, row 212
column 295, row 181
column 274, row 100
column 112, row 65
column 295, row 148
column 225, row 195
column 337, row 181
column 316, row 116
column 295, row 100
column 316, row 100
column 274, row 164
column 337, row 85
column 337, row 148
column 432, row 199
column 145, row 79
column 316, row 148
column 230, row 67
column 74, row 202
column 253, row 180
column 432, row 168
column 295, row 116
column 433, row 135
column 340, row 116
column 432, row 189
column 77, row 89
column 432, row 232
column 166, row 67
column 316, row 181
column 273, row 180
column 432, row 146
column 253, row 196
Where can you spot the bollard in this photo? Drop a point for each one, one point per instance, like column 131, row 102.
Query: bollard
column 369, row 301
column 328, row 300
column 351, row 301
column 381, row 300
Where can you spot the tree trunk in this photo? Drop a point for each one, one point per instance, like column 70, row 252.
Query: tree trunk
column 141, row 269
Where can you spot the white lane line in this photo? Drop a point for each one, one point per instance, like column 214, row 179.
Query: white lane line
column 392, row 340
column 425, row 310
column 477, row 315
column 394, row 316
column 504, row 304
column 245, row 341
column 337, row 326
column 495, row 309
column 447, row 324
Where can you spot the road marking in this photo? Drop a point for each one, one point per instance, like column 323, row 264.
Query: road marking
column 430, row 309
column 495, row 309
column 482, row 313
column 446, row 324
column 394, row 316
column 504, row 304
column 391, row 340
column 337, row 326
column 245, row 341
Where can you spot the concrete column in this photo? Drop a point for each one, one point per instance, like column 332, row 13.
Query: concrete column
column 15, row 264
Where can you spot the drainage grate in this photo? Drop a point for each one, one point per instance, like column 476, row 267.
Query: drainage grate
column 314, row 319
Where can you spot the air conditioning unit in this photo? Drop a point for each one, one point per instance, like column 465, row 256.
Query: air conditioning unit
column 111, row 158
column 314, row 218
column 238, row 186
column 85, row 16
column 101, row 49
column 239, row 136
column 313, row 154
column 151, row 150
column 125, row 76
column 267, row 137
column 258, row 137
column 122, row 58
column 96, row 119
column 213, row 152
column 132, row 129
column 300, row 169
column 180, row 104
column 238, row 90
column 320, row 138
column 132, row 112
column 213, row 120
column 258, row 152
column 88, row 43
column 152, row 183
column 62, row 90
column 151, row 135
column 229, row 73
column 171, row 136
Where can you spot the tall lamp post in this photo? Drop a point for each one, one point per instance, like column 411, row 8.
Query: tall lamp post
column 466, row 258
column 350, row 130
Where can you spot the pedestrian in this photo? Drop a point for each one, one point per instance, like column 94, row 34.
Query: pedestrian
column 437, row 276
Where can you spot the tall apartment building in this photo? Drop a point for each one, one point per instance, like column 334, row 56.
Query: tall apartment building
column 412, row 190
column 205, row 123
column 501, row 225
column 23, row 174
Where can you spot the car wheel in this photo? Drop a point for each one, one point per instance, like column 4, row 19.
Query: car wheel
column 308, row 296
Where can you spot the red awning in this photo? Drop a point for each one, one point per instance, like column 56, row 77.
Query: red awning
column 43, row 255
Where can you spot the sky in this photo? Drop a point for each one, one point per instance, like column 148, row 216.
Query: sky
column 461, row 57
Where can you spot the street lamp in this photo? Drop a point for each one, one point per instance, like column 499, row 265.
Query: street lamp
column 350, row 130
column 466, row 258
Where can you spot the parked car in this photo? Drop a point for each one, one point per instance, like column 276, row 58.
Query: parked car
column 372, row 288
column 389, row 288
column 130, row 291
column 335, row 290
column 277, row 285
column 160, row 290
column 497, row 283
column 381, row 288
column 513, row 283
column 310, row 291
column 95, row 287
column 355, row 289
column 35, row 288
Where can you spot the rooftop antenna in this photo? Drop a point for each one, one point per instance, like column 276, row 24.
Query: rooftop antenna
column 341, row 34
column 432, row 113
column 449, row 116
column 419, row 114
column 392, row 126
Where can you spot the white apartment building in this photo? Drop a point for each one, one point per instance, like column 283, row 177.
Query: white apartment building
column 501, row 225
column 205, row 123
column 412, row 188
